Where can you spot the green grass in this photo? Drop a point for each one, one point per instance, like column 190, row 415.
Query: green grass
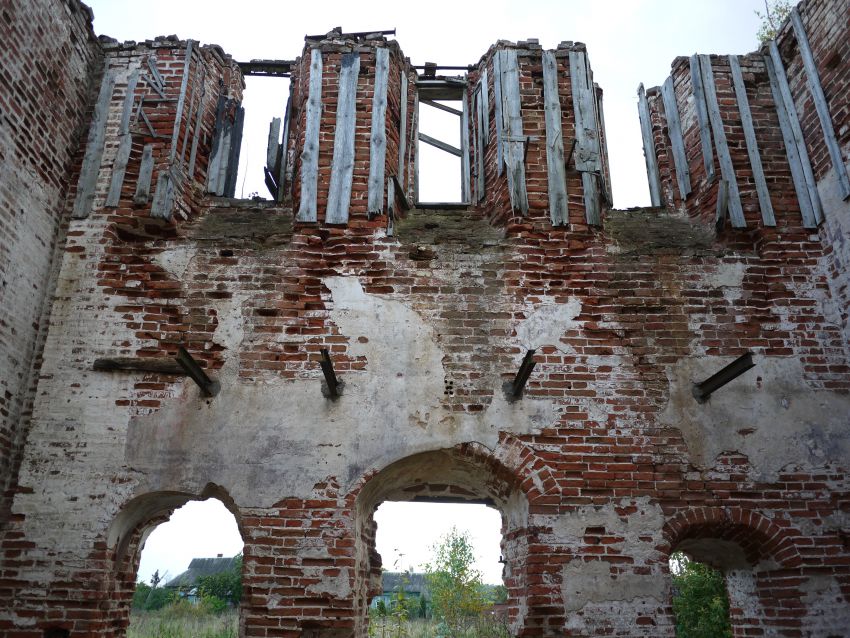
column 183, row 620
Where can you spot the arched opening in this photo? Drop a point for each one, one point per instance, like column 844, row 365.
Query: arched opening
column 754, row 557
column 466, row 474
column 126, row 540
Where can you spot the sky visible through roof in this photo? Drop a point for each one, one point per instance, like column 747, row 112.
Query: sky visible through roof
column 628, row 42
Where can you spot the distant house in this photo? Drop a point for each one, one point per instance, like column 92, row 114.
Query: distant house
column 186, row 584
column 412, row 583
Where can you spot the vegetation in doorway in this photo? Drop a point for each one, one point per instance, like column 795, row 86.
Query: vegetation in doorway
column 700, row 603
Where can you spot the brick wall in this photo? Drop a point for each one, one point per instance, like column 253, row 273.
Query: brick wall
column 605, row 466
column 48, row 57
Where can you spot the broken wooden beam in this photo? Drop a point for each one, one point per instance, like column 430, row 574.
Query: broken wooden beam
column 209, row 388
column 448, row 148
column 514, row 389
column 332, row 386
column 702, row 391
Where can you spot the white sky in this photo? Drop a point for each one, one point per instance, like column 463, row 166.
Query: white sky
column 629, row 41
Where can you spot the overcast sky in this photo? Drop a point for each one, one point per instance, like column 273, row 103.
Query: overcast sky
column 629, row 41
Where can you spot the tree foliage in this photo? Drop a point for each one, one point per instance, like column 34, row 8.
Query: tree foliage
column 775, row 12
column 699, row 601
column 455, row 587
column 223, row 588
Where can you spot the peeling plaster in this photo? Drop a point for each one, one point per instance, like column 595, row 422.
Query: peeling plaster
column 767, row 414
column 175, row 261
column 547, row 323
column 594, row 582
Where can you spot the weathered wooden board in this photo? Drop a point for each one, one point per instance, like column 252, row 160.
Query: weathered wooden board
column 762, row 191
column 413, row 147
column 342, row 166
column 235, row 148
column 181, row 101
column 497, row 104
column 796, row 130
column 556, row 168
column 189, row 121
column 702, row 118
column 727, row 169
column 649, row 149
column 722, row 205
column 125, row 144
column 402, row 127
column 513, row 138
column 220, row 147
column 163, row 199
column 480, row 124
column 606, row 173
column 465, row 186
column 143, row 184
column 284, row 149
column 674, row 130
column 443, row 146
column 485, row 103
column 310, row 152
column 272, row 146
column 791, row 152
column 587, row 136
column 94, row 148
column 197, row 122
column 821, row 105
column 378, row 137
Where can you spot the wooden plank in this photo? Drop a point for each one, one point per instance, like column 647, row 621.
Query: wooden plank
column 497, row 99
column 442, row 107
column 821, row 105
column 606, row 173
column 310, row 152
column 143, row 184
column 443, row 146
column 556, row 168
column 796, row 130
column 587, row 136
column 514, row 149
column 480, row 120
column 702, row 118
column 218, row 153
column 163, row 198
column 485, row 101
column 391, row 184
column 157, row 82
column 791, row 152
column 465, row 186
column 674, row 130
column 762, row 191
column 181, row 101
column 196, row 134
column 727, row 169
column 188, row 126
column 235, row 148
column 273, row 144
column 94, row 148
column 402, row 127
column 283, row 161
column 414, row 148
column 342, row 166
column 119, row 167
column 590, row 186
column 378, row 137
column 649, row 149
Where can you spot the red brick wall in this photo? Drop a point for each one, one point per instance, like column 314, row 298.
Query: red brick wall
column 47, row 62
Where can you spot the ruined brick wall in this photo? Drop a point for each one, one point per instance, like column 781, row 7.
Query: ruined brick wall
column 47, row 62
column 603, row 467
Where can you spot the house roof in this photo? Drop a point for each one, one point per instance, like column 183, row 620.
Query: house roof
column 200, row 567
column 412, row 582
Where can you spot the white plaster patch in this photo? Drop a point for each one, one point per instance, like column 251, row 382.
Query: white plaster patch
column 822, row 596
column 726, row 275
column 592, row 582
column 546, row 325
column 175, row 261
column 768, row 414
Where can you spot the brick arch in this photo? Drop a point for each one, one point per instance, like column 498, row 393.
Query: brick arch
column 757, row 535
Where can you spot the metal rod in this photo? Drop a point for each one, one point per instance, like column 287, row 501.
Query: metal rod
column 208, row 387
column 702, row 391
column 522, row 375
column 330, row 375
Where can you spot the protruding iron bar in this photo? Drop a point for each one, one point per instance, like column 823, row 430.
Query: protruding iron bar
column 209, row 388
column 702, row 391
column 331, row 382
column 518, row 385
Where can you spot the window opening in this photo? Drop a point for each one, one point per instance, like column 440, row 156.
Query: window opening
column 190, row 572
column 700, row 599
column 417, row 541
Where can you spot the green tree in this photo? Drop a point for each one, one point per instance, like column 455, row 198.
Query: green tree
column 775, row 12
column 699, row 600
column 457, row 593
column 224, row 587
